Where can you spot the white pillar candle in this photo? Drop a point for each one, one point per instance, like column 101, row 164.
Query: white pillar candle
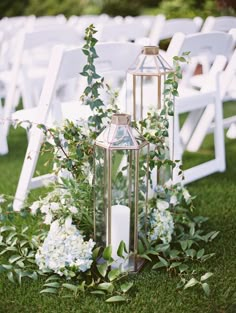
column 120, row 230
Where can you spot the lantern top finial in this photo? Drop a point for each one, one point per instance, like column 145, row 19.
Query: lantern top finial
column 121, row 119
column 150, row 50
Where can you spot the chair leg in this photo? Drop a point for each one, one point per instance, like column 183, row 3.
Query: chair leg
column 3, row 136
column 189, row 126
column 219, row 136
column 29, row 165
column 177, row 148
column 202, row 128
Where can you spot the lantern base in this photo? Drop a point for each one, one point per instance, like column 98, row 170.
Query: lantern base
column 136, row 264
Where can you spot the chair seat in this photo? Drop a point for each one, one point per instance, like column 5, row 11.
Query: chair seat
column 71, row 110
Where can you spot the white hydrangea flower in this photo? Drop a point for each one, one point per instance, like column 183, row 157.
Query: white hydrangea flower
column 162, row 205
column 34, row 207
column 73, row 209
column 54, row 206
column 173, row 200
column 186, row 195
column 48, row 219
column 161, row 225
column 45, row 208
column 64, row 249
column 2, row 200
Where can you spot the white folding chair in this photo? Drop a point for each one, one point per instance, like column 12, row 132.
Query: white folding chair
column 165, row 29
column 130, row 30
column 219, row 23
column 227, row 92
column 194, row 102
column 29, row 42
column 64, row 65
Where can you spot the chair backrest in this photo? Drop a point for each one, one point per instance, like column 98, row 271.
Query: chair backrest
column 165, row 29
column 200, row 44
column 27, row 41
column 114, row 58
column 124, row 31
column 219, row 23
column 202, row 47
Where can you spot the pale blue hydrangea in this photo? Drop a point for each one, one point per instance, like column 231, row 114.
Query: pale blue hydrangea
column 161, row 224
column 64, row 249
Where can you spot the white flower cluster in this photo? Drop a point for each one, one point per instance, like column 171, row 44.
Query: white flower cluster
column 56, row 205
column 2, row 199
column 161, row 223
column 64, row 250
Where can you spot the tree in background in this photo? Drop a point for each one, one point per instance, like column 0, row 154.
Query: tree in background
column 13, row 7
column 54, row 7
column 171, row 8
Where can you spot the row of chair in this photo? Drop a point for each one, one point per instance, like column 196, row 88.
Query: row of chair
column 65, row 64
column 40, row 73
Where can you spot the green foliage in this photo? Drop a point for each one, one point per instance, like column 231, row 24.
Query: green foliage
column 12, row 8
column 54, row 7
column 190, row 9
column 121, row 7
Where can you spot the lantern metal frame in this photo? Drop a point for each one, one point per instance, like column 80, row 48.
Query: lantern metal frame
column 107, row 141
column 149, row 64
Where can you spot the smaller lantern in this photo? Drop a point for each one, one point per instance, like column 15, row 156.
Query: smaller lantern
column 148, row 75
column 121, row 189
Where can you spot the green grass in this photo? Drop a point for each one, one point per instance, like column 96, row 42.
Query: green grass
column 154, row 291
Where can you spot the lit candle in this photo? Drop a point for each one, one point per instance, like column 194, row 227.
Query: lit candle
column 120, row 229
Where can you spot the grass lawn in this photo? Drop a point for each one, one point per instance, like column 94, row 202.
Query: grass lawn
column 154, row 291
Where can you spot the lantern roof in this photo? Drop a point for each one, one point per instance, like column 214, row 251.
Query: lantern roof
column 119, row 135
column 150, row 63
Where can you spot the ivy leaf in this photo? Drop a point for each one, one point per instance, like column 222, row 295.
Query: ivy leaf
column 206, row 289
column 14, row 258
column 49, row 290
column 70, row 287
column 98, row 292
column 126, row 286
column 200, row 253
column 158, row 265
column 11, row 277
column 6, row 228
column 173, row 254
column 113, row 274
column 163, row 261
column 192, row 282
column 107, row 253
column 121, row 249
column 162, row 247
column 141, row 248
column 175, row 264
column 96, row 253
column 183, row 268
column 206, row 276
column 54, row 284
column 146, row 257
column 106, row 287
column 116, row 299
column 102, row 269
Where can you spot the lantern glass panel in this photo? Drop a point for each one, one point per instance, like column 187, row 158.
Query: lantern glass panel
column 121, row 188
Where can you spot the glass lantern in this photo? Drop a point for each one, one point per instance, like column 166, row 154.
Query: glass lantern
column 146, row 80
column 147, row 77
column 121, row 190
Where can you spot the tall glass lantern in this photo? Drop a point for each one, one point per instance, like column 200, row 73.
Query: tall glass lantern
column 121, row 189
column 145, row 83
column 146, row 77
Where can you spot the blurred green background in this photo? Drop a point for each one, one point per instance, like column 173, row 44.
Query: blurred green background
column 171, row 8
